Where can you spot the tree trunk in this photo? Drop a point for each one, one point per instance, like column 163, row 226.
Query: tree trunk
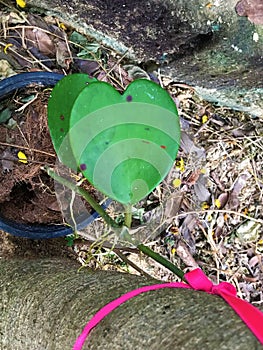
column 201, row 43
column 45, row 304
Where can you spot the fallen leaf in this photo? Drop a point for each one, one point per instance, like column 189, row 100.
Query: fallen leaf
column 5, row 115
column 233, row 201
column 135, row 72
column 249, row 231
column 7, row 160
column 173, row 205
column 6, row 69
column 54, row 206
column 188, row 146
column 62, row 54
column 187, row 231
column 200, row 189
column 22, row 158
column 222, row 200
column 220, row 221
column 41, row 40
column 257, row 259
column 184, row 253
column 86, row 66
column 253, row 9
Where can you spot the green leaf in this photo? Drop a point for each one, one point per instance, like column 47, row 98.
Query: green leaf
column 88, row 50
column 5, row 115
column 124, row 144
column 59, row 108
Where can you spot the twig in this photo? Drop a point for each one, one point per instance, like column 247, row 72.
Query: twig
column 27, row 148
column 129, row 262
column 20, row 109
column 219, row 211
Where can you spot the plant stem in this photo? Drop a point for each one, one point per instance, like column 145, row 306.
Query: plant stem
column 161, row 260
column 125, row 230
column 128, row 215
column 126, row 236
column 84, row 194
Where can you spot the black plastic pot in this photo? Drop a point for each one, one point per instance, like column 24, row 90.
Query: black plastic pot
column 37, row 231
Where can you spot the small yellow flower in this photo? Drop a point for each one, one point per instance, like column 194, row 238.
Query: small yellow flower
column 218, row 203
column 6, row 47
column 21, row 3
column 209, row 5
column 177, row 183
column 205, row 206
column 173, row 251
column 204, row 119
column 62, row 26
column 209, row 218
column 22, row 157
column 245, row 211
column 180, row 165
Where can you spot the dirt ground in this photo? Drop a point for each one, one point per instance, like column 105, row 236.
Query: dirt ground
column 207, row 212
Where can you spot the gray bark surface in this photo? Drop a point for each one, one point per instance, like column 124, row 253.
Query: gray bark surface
column 45, row 303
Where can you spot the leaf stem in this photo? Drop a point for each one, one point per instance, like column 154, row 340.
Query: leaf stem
column 84, row 194
column 126, row 236
column 125, row 230
column 128, row 215
column 161, row 260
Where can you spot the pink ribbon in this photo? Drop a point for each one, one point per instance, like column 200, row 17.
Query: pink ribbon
column 197, row 280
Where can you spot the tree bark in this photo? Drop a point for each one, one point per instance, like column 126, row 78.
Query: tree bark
column 205, row 44
column 45, row 303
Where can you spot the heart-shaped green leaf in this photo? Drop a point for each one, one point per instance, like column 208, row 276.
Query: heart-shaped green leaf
column 59, row 108
column 124, row 144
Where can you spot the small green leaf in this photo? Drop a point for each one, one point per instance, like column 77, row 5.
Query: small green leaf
column 5, row 115
column 88, row 49
column 28, row 98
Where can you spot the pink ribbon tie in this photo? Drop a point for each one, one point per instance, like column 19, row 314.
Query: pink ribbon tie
column 197, row 280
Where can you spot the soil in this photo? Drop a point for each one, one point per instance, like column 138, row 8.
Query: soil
column 26, row 191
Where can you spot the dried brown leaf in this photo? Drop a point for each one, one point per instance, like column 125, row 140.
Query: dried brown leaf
column 62, row 54
column 233, row 201
column 188, row 146
column 200, row 189
column 40, row 40
column 253, row 9
column 173, row 205
column 184, row 253
column 223, row 198
column 257, row 259
column 186, row 230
